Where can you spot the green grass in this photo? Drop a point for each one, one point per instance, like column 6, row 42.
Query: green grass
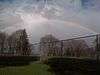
column 32, row 69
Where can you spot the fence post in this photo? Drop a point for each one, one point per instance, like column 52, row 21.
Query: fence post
column 97, row 48
column 61, row 48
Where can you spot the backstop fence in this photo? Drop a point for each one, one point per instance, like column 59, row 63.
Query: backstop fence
column 84, row 47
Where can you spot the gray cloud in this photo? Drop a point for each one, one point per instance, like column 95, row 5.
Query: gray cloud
column 53, row 17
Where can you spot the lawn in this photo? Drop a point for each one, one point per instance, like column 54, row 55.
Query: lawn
column 32, row 69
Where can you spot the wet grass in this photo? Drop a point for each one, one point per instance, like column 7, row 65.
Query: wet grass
column 32, row 69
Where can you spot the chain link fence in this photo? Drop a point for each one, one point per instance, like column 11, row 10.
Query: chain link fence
column 82, row 47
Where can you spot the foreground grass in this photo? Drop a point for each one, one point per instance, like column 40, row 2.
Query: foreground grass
column 32, row 69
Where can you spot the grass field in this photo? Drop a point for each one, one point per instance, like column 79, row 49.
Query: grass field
column 32, row 69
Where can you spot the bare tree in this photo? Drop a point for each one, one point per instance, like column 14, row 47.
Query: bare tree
column 50, row 46
column 75, row 47
column 2, row 42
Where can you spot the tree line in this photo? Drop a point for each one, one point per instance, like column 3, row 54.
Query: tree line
column 51, row 46
column 15, row 44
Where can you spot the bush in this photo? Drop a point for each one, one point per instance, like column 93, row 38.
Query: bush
column 16, row 60
column 62, row 66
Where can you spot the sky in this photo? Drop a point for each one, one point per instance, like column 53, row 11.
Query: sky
column 61, row 18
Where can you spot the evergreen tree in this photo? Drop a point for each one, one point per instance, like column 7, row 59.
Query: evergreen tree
column 25, row 43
